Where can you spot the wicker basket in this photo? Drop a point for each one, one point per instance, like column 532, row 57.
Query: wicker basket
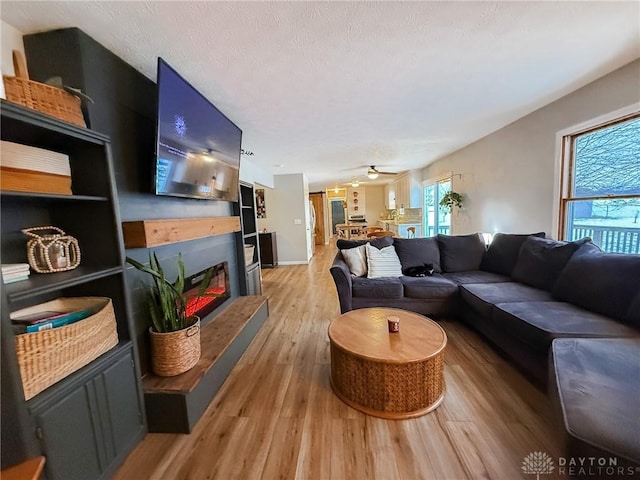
column 248, row 254
column 38, row 96
column 47, row 357
column 174, row 353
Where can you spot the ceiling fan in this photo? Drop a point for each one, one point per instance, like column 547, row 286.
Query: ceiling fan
column 373, row 173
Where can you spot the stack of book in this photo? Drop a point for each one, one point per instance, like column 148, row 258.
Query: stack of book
column 15, row 272
column 46, row 320
column 29, row 169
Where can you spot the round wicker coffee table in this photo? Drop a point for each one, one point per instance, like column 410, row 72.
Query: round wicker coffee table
column 388, row 375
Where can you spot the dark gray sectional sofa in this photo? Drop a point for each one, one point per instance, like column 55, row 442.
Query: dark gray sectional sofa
column 523, row 293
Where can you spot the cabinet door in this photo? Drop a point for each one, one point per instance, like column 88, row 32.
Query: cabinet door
column 268, row 250
column 415, row 190
column 402, row 194
column 254, row 286
column 68, row 438
column 122, row 408
column 82, row 433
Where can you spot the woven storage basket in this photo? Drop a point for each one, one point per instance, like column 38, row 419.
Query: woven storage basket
column 174, row 353
column 38, row 96
column 47, row 357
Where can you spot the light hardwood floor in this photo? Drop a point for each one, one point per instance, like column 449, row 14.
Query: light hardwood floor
column 277, row 418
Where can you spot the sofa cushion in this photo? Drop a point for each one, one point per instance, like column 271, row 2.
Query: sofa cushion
column 389, row 287
column 415, row 252
column 380, row 242
column 538, row 323
column 483, row 296
column 383, row 262
column 433, row 287
column 503, row 251
column 606, row 283
column 598, row 401
column 633, row 314
column 541, row 259
column 459, row 253
column 476, row 276
column 356, row 259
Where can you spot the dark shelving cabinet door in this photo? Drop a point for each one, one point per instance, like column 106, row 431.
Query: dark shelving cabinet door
column 83, row 431
column 67, row 435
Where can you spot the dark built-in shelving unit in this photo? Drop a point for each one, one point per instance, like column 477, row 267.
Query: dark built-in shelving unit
column 87, row 423
column 251, row 284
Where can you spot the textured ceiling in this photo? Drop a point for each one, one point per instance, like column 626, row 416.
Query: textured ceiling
column 327, row 88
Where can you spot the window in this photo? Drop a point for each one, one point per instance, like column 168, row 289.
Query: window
column 601, row 185
column 436, row 218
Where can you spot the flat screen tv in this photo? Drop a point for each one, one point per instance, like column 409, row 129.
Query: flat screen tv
column 198, row 147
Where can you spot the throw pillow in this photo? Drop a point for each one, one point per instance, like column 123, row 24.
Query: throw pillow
column 541, row 260
column 502, row 254
column 605, row 283
column 356, row 260
column 383, row 262
column 461, row 253
column 380, row 242
column 416, row 252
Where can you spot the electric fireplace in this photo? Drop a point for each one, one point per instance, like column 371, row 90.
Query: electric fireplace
column 215, row 294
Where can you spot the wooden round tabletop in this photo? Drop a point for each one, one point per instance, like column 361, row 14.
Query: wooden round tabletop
column 364, row 332
column 390, row 375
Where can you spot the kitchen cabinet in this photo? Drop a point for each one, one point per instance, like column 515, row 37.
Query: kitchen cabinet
column 390, row 196
column 415, row 189
column 86, row 423
column 402, row 191
column 406, row 190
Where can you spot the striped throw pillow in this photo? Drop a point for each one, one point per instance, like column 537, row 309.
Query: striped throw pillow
column 383, row 262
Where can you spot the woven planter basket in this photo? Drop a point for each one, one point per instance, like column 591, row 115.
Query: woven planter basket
column 174, row 353
column 47, row 357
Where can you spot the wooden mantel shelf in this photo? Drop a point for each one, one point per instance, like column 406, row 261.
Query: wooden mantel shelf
column 152, row 233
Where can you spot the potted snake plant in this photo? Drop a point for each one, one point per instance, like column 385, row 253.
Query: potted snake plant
column 175, row 335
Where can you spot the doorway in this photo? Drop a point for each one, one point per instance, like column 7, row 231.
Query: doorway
column 337, row 213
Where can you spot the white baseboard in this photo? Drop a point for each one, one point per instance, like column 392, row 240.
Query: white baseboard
column 293, row 262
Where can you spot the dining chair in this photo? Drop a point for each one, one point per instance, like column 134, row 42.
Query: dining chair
column 383, row 233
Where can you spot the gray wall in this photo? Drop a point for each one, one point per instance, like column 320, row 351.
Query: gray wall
column 508, row 177
column 286, row 204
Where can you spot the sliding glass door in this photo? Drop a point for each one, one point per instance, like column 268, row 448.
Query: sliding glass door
column 437, row 219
